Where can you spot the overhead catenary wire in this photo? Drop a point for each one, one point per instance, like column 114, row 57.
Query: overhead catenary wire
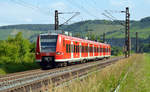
column 82, row 8
column 112, row 18
column 35, row 8
column 93, row 5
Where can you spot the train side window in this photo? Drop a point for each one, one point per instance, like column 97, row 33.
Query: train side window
column 74, row 49
column 69, row 48
column 90, row 49
column 78, row 49
column 82, row 49
column 66, row 48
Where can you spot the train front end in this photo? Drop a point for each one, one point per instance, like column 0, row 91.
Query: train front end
column 46, row 50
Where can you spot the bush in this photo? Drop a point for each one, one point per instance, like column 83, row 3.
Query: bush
column 16, row 54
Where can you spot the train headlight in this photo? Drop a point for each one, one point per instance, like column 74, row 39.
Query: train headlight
column 59, row 53
column 37, row 53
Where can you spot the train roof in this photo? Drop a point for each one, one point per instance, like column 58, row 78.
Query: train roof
column 75, row 38
column 82, row 40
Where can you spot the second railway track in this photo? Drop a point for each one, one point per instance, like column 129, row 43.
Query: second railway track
column 39, row 80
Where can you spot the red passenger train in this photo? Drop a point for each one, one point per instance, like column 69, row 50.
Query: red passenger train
column 52, row 49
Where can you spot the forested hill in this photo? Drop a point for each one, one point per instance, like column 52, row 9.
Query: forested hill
column 95, row 27
column 34, row 27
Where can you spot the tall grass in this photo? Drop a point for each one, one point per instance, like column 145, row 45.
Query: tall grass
column 138, row 79
column 104, row 81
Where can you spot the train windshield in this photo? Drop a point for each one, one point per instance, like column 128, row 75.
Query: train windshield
column 48, row 43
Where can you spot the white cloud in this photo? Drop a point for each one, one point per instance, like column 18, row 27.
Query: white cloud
column 146, row 1
column 28, row 20
column 124, row 3
column 13, row 13
column 59, row 6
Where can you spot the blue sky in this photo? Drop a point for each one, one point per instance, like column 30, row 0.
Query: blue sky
column 42, row 11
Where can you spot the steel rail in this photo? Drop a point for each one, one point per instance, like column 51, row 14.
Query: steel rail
column 8, row 84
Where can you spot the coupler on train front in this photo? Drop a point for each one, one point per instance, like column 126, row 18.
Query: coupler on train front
column 47, row 62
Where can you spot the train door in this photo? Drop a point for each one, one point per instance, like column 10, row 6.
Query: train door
column 98, row 50
column 104, row 50
column 68, row 51
column 76, row 49
column 82, row 49
column 88, row 50
column 91, row 50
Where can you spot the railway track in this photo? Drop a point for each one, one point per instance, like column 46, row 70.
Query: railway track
column 40, row 80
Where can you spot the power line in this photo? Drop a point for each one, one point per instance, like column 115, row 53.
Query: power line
column 111, row 17
column 81, row 8
column 93, row 5
column 35, row 8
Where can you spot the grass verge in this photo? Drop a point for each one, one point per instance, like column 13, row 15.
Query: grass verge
column 104, row 81
column 7, row 68
column 138, row 79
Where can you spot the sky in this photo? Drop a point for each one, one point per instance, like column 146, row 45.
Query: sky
column 42, row 11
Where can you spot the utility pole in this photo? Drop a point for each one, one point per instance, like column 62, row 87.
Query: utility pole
column 127, row 32
column 136, row 42
column 56, row 20
column 104, row 37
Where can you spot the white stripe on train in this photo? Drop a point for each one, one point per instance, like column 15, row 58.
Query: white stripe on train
column 77, row 59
